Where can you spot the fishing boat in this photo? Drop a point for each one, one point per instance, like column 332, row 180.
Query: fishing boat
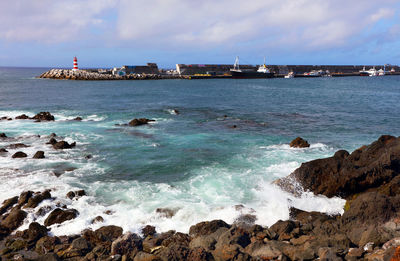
column 289, row 75
column 363, row 72
column 262, row 72
column 372, row 72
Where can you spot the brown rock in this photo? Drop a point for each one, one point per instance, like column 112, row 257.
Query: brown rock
column 3, row 135
column 148, row 231
column 98, row 219
column 36, row 200
column 46, row 244
column 7, row 204
column 103, row 234
column 3, row 150
column 207, row 227
column 39, row 155
column 52, row 141
column 14, row 219
column 24, row 197
column 34, row 232
column 166, row 212
column 199, row 254
column 128, row 244
column 19, row 154
column 78, row 119
column 299, row 143
column 59, row 216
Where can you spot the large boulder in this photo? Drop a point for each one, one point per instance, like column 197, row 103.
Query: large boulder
column 345, row 175
column 14, row 219
column 299, row 143
column 207, row 227
column 43, row 116
column 34, row 201
column 59, row 216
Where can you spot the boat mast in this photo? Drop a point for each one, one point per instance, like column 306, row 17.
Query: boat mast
column 236, row 65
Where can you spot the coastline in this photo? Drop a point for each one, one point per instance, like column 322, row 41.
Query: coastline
column 368, row 228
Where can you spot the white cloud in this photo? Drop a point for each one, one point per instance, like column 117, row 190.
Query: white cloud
column 50, row 21
column 206, row 24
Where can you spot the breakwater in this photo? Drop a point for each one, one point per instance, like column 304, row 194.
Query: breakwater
column 64, row 74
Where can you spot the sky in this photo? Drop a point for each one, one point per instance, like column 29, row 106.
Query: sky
column 111, row 33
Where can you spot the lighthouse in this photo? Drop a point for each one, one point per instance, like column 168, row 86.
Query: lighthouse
column 75, row 64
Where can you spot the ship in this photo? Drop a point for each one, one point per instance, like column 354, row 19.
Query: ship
column 262, row 72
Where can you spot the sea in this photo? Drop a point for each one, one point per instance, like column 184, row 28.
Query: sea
column 213, row 152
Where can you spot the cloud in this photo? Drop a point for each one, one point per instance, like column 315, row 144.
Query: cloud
column 206, row 24
column 50, row 21
column 311, row 23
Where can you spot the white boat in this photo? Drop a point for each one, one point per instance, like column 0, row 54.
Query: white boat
column 289, row 75
column 381, row 72
column 372, row 72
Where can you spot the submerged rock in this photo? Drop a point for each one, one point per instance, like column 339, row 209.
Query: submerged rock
column 299, row 143
column 17, row 146
column 139, row 122
column 77, row 119
column 63, row 145
column 3, row 150
column 22, row 117
column 3, row 135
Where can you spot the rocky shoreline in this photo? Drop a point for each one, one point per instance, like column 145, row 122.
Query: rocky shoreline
column 64, row 74
column 369, row 228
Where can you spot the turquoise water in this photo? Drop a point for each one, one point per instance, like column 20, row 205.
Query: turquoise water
column 193, row 162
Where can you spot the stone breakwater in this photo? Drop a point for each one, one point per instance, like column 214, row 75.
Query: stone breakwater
column 63, row 74
column 369, row 228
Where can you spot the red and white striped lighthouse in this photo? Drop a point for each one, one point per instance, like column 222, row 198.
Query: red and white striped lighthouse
column 75, row 64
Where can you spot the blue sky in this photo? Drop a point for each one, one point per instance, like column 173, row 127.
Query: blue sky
column 109, row 33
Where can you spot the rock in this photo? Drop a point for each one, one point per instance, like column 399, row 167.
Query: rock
column 346, row 175
column 14, row 219
column 80, row 193
column 173, row 252
column 70, row 195
column 299, row 143
column 231, row 244
column 43, row 116
column 39, row 155
column 264, row 251
column 22, row 117
column 148, row 231
column 98, row 219
column 46, row 244
column 139, row 122
column 177, row 239
column 7, row 204
column 33, row 233
column 77, row 119
column 89, row 156
column 52, row 141
column 128, row 244
column 37, row 199
column 19, row 154
column 78, row 248
column 166, row 212
column 59, row 216
column 63, row 145
column 24, row 197
column 3, row 135
column 283, row 229
column 3, row 150
column 103, row 234
column 48, row 257
column 207, row 227
column 143, row 256
column 17, row 146
column 199, row 254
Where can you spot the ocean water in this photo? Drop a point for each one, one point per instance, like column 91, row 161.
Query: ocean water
column 194, row 163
